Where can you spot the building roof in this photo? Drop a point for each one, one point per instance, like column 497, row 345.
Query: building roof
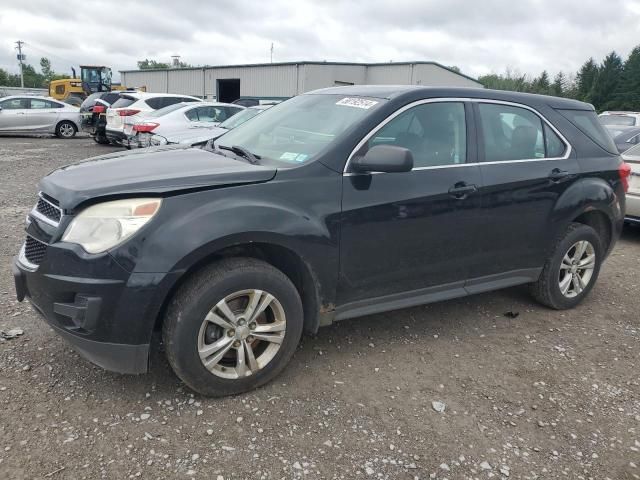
column 279, row 64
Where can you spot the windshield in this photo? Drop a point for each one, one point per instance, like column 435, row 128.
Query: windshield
column 239, row 118
column 295, row 131
column 617, row 120
column 163, row 111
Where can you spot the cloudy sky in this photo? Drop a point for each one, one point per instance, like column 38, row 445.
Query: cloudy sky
column 478, row 36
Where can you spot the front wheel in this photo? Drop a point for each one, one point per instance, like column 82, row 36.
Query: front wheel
column 66, row 129
column 232, row 327
column 572, row 269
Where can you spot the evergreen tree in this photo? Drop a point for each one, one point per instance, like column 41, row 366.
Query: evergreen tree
column 607, row 82
column 627, row 96
column 585, row 80
column 559, row 85
column 541, row 84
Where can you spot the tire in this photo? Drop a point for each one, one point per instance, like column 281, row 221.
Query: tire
column 66, row 129
column 548, row 289
column 187, row 335
column 101, row 139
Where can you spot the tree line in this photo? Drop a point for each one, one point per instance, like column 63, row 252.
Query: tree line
column 613, row 84
column 32, row 78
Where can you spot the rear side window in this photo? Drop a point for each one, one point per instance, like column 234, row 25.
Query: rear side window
column 515, row 133
column 587, row 122
column 124, row 101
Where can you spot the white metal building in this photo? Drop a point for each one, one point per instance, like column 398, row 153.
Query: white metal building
column 283, row 80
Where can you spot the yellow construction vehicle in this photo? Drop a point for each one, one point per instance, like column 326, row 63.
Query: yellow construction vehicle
column 74, row 90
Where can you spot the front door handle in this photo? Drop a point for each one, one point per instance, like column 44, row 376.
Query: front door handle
column 462, row 190
column 556, row 175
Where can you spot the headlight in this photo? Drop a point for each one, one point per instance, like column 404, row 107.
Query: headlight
column 105, row 225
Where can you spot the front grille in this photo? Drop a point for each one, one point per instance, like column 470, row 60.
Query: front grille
column 34, row 250
column 48, row 209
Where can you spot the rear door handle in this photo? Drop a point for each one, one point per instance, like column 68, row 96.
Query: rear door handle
column 462, row 190
column 556, row 175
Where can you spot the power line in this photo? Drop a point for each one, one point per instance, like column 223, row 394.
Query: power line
column 71, row 62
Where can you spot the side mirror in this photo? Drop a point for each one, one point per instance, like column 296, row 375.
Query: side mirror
column 384, row 158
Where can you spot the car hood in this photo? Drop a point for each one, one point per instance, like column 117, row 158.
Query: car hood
column 156, row 170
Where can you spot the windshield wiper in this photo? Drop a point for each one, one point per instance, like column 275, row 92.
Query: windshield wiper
column 242, row 152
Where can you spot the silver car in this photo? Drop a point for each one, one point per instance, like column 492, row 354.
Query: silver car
column 178, row 118
column 28, row 114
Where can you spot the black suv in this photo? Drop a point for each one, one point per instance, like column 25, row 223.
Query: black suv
column 334, row 204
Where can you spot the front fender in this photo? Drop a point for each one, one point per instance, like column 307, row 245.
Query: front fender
column 192, row 227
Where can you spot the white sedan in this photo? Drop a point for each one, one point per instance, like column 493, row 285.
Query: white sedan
column 178, row 118
column 28, row 114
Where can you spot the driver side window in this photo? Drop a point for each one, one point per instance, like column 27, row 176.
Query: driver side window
column 14, row 104
column 435, row 133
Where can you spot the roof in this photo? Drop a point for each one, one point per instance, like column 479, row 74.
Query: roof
column 279, row 64
column 393, row 91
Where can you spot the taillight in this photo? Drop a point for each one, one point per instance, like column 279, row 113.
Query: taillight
column 99, row 109
column 127, row 112
column 625, row 173
column 145, row 127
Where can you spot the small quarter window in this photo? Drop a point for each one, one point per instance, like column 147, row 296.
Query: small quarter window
column 434, row 132
column 554, row 146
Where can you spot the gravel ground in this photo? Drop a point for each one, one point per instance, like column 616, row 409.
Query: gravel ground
column 452, row 390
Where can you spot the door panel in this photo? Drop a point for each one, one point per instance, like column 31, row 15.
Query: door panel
column 40, row 117
column 405, row 231
column 524, row 175
column 12, row 115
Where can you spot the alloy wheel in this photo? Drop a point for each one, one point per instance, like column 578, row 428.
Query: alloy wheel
column 66, row 130
column 241, row 334
column 576, row 269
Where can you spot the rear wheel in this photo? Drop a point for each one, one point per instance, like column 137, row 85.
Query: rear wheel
column 232, row 327
column 572, row 270
column 101, row 139
column 66, row 129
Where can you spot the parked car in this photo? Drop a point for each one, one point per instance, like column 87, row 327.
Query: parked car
column 28, row 114
column 629, row 119
column 338, row 203
column 201, row 136
column 176, row 118
column 93, row 114
column 632, row 158
column 624, row 137
column 130, row 106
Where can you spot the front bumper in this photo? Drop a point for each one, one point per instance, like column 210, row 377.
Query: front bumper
column 108, row 320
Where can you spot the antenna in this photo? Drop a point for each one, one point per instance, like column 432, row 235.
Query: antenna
column 21, row 58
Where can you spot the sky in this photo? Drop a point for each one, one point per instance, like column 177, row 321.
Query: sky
column 479, row 37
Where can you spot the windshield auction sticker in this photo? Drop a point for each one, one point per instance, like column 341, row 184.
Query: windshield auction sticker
column 357, row 102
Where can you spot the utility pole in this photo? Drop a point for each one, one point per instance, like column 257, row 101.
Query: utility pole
column 271, row 52
column 20, row 59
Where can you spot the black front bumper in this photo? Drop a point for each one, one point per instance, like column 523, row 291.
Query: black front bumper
column 108, row 320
